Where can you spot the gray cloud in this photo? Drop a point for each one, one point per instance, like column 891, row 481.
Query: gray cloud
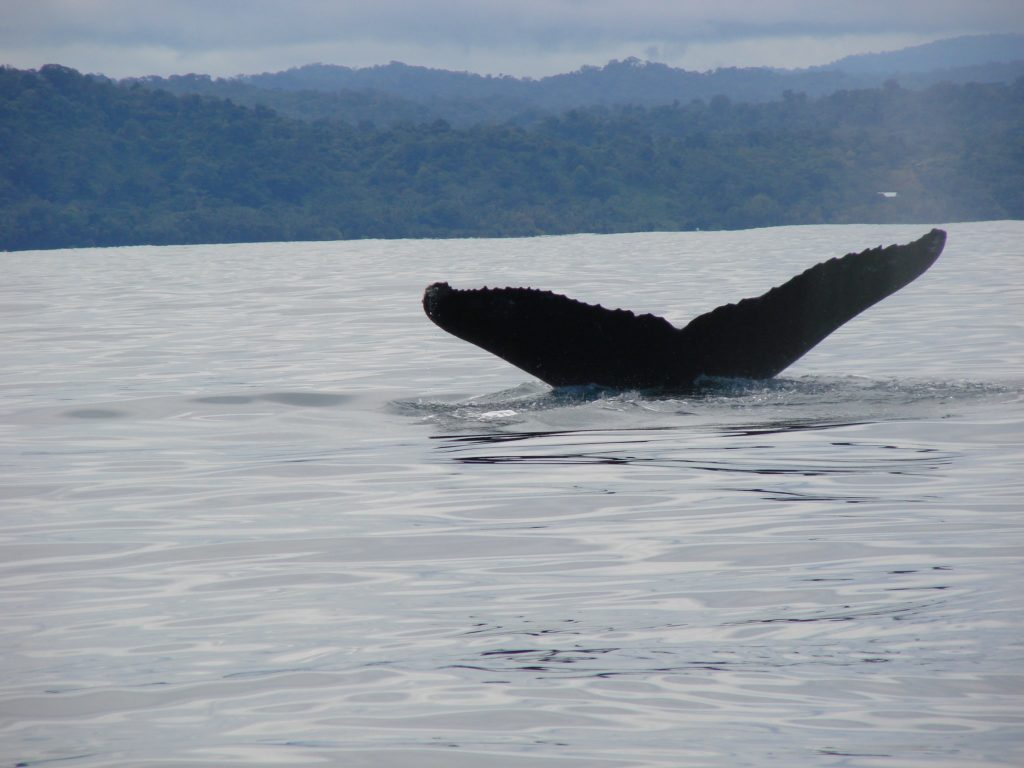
column 133, row 36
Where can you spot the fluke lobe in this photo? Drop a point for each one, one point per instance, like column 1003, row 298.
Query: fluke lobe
column 565, row 342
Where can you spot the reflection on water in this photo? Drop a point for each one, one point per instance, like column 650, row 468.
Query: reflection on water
column 258, row 510
column 712, row 429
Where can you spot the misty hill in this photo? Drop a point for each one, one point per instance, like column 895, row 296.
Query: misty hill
column 962, row 59
column 969, row 51
column 89, row 162
column 397, row 92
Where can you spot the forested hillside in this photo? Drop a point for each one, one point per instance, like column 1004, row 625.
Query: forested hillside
column 968, row 51
column 89, row 162
column 397, row 92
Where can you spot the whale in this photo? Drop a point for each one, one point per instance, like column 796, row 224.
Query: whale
column 565, row 342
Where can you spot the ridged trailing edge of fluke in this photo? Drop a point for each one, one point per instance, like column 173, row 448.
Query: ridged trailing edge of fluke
column 567, row 342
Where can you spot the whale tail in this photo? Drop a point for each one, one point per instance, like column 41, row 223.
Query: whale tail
column 563, row 341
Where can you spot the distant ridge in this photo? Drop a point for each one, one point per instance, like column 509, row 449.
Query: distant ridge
column 952, row 53
column 394, row 93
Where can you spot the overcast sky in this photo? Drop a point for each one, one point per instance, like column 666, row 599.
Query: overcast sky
column 122, row 38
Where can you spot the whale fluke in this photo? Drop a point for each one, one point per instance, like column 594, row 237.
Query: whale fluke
column 565, row 342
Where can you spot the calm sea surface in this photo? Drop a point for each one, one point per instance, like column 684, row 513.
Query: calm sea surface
column 258, row 510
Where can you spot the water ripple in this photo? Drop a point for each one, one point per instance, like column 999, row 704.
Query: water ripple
column 259, row 511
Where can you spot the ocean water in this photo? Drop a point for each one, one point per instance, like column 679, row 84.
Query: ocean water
column 258, row 510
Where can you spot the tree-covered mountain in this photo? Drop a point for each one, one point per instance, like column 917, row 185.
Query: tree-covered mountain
column 966, row 52
column 648, row 83
column 85, row 161
column 397, row 92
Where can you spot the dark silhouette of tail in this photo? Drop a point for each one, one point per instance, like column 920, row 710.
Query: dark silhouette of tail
column 563, row 341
